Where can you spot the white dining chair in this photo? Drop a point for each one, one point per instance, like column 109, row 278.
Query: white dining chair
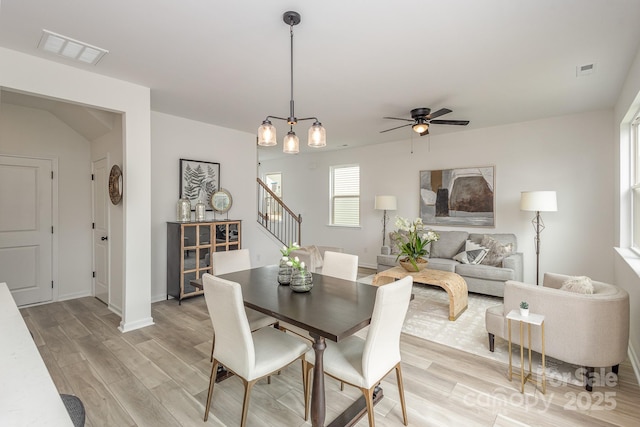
column 227, row 262
column 249, row 355
column 363, row 363
column 340, row 265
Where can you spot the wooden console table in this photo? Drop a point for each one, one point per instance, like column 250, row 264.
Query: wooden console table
column 453, row 283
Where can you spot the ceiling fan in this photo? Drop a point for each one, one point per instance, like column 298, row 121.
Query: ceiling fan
column 422, row 118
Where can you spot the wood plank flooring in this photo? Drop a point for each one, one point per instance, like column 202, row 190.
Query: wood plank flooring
column 158, row 376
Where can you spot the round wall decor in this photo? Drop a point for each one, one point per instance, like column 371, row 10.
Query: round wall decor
column 115, row 184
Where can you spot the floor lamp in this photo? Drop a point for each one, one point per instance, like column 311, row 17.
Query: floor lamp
column 385, row 203
column 538, row 201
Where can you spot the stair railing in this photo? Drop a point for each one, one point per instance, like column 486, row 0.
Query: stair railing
column 276, row 217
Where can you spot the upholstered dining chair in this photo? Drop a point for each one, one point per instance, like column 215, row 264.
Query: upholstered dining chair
column 228, row 262
column 249, row 355
column 363, row 363
column 340, row 265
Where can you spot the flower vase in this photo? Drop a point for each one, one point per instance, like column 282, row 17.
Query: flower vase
column 301, row 280
column 284, row 273
column 407, row 265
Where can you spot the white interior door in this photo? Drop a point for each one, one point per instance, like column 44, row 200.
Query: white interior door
column 26, row 239
column 101, row 230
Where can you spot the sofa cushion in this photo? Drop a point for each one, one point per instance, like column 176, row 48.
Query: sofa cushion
column 496, row 251
column 485, row 272
column 503, row 238
column 578, row 284
column 448, row 245
column 442, row 264
column 397, row 238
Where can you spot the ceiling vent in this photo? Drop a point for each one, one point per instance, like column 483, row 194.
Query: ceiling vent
column 585, row 70
column 70, row 48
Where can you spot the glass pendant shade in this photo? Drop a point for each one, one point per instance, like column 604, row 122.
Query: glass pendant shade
column 267, row 134
column 421, row 126
column 317, row 135
column 291, row 144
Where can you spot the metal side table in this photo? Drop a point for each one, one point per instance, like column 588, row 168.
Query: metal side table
column 531, row 319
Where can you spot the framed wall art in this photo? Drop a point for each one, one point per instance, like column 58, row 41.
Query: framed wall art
column 199, row 180
column 461, row 197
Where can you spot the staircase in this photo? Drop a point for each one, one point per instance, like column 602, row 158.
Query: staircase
column 276, row 217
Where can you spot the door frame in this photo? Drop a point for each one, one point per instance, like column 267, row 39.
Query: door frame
column 54, row 224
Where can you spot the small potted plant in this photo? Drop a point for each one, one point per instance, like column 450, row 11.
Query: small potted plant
column 524, row 308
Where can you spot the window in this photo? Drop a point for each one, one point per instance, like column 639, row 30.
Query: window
column 345, row 195
column 635, row 185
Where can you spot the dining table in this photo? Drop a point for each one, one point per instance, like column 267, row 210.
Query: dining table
column 333, row 310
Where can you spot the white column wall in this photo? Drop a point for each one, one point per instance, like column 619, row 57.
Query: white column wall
column 47, row 78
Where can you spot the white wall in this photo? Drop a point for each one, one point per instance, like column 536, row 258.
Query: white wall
column 572, row 155
column 627, row 266
column 174, row 138
column 37, row 133
column 41, row 77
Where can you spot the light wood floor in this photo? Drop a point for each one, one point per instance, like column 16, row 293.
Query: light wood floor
column 158, row 376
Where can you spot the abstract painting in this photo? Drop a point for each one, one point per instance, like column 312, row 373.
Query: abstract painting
column 463, row 196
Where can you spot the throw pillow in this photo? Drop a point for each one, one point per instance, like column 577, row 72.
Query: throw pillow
column 397, row 238
column 496, row 251
column 578, row 284
column 474, row 256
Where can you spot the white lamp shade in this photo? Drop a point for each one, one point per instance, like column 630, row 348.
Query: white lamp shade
column 387, row 203
column 291, row 144
column 543, row 201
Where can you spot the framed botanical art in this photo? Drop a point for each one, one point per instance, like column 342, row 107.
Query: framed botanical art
column 464, row 197
column 199, row 180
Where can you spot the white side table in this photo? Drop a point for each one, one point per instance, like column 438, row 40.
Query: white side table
column 531, row 319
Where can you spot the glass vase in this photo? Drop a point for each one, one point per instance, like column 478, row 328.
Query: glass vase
column 183, row 210
column 284, row 273
column 301, row 281
column 200, row 211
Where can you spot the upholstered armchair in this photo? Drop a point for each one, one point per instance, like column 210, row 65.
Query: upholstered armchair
column 590, row 330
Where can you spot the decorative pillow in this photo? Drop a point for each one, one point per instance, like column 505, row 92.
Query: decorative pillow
column 578, row 284
column 397, row 238
column 473, row 253
column 474, row 256
column 496, row 251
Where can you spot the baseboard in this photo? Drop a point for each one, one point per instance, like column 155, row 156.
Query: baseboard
column 635, row 363
column 131, row 326
column 66, row 297
column 159, row 298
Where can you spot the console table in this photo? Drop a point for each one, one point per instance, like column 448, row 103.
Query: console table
column 453, row 283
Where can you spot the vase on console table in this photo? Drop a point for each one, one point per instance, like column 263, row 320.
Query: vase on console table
column 420, row 264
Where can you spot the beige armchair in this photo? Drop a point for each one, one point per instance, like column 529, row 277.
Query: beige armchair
column 590, row 330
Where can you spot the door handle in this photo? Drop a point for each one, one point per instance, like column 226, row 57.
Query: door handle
column 104, row 238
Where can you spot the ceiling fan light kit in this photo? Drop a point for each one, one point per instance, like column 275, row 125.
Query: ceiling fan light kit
column 422, row 118
column 291, row 143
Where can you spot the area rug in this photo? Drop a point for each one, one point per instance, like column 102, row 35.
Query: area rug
column 428, row 318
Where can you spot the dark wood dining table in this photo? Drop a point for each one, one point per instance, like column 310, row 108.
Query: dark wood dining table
column 333, row 309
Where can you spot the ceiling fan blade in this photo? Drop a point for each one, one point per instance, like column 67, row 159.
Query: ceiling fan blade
column 397, row 118
column 450, row 122
column 398, row 127
column 440, row 112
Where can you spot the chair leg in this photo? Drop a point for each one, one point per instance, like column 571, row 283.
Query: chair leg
column 590, row 378
column 306, row 381
column 401, row 392
column 368, row 397
column 213, row 345
column 341, row 385
column 615, row 368
column 212, row 381
column 492, row 339
column 248, row 385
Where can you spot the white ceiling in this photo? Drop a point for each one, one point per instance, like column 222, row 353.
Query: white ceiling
column 492, row 62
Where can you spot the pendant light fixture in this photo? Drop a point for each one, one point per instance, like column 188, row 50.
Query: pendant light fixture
column 291, row 143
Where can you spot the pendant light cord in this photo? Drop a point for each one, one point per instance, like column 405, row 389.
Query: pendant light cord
column 292, row 116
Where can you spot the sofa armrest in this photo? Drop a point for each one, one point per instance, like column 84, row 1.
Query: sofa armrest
column 515, row 262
